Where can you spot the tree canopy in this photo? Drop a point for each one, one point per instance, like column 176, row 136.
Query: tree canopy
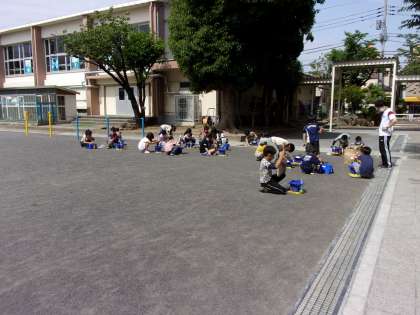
column 411, row 54
column 113, row 45
column 414, row 7
column 233, row 45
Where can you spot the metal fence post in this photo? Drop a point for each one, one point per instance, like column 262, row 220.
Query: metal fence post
column 50, row 131
column 142, row 127
column 107, row 125
column 78, row 128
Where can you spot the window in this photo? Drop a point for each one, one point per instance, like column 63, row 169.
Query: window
column 143, row 27
column 57, row 59
column 18, row 59
column 121, row 94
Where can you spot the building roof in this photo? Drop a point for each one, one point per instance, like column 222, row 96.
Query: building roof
column 37, row 90
column 117, row 7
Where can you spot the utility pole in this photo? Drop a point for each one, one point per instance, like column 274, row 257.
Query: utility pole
column 384, row 28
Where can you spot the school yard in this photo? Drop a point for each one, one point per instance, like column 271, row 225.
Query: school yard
column 117, row 232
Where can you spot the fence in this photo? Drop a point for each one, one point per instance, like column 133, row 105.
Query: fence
column 408, row 118
column 12, row 108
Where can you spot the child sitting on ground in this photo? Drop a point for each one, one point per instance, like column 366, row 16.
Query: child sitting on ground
column 364, row 165
column 311, row 164
column 208, row 146
column 188, row 139
column 342, row 141
column 358, row 142
column 269, row 181
column 113, row 138
column 251, row 138
column 88, row 139
column 146, row 142
column 205, row 132
column 172, row 147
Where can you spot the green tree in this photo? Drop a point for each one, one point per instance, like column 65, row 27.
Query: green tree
column 373, row 93
column 411, row 53
column 354, row 95
column 356, row 47
column 110, row 43
column 414, row 7
column 233, row 45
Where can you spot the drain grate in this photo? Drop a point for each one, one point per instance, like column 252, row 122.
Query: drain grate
column 326, row 290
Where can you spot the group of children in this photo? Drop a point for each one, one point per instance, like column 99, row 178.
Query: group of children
column 275, row 155
column 115, row 140
column 211, row 141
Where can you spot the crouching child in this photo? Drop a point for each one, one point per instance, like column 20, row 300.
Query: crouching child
column 271, row 174
column 364, row 165
column 311, row 164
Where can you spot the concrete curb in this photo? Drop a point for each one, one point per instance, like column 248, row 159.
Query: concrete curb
column 356, row 298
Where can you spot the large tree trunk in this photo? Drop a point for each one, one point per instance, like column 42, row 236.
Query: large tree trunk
column 134, row 103
column 141, row 86
column 227, row 110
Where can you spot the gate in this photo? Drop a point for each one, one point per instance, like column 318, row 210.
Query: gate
column 187, row 109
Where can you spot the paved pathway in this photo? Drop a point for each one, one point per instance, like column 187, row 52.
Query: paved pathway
column 386, row 279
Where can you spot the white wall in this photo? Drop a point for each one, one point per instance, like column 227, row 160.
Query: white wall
column 76, row 78
column 61, row 28
column 110, row 104
column 208, row 103
column 70, row 105
column 109, row 100
column 139, row 15
column 19, row 81
column 15, row 38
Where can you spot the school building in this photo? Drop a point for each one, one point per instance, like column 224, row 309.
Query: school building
column 36, row 75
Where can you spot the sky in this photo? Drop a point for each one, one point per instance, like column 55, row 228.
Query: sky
column 335, row 18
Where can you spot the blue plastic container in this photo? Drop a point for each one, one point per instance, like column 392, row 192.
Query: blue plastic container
column 296, row 185
column 91, row 146
column 327, row 169
column 337, row 150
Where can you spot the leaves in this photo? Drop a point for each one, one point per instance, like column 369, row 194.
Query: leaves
column 414, row 21
column 114, row 46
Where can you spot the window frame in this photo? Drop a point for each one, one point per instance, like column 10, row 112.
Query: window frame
column 15, row 57
column 54, row 49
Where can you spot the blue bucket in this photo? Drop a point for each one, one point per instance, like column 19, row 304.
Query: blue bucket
column 337, row 150
column 90, row 146
column 296, row 185
column 327, row 169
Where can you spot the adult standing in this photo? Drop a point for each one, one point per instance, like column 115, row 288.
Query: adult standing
column 386, row 128
column 311, row 133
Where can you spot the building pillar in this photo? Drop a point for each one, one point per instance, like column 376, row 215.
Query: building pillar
column 92, row 98
column 157, row 18
column 2, row 68
column 38, row 56
column 158, row 96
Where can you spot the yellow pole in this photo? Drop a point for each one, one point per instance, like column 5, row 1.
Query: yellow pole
column 26, row 118
column 50, row 124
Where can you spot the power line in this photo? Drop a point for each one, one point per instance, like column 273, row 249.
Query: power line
column 338, row 26
column 355, row 19
column 316, row 48
column 343, row 17
column 320, row 50
column 337, row 6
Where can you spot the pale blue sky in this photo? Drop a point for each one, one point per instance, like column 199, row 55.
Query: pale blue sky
column 335, row 17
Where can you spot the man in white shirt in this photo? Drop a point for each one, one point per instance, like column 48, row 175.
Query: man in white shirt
column 386, row 128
